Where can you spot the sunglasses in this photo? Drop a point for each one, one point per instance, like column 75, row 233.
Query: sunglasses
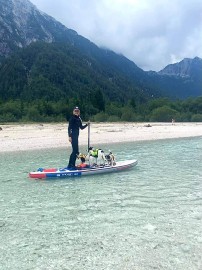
column 76, row 110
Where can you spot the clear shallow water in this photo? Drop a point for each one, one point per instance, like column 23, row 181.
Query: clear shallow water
column 147, row 218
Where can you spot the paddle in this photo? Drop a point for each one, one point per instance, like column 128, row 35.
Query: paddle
column 88, row 135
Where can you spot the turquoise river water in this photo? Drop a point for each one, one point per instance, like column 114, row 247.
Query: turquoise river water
column 149, row 217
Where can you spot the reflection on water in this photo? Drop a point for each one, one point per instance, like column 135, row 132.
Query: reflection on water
column 146, row 218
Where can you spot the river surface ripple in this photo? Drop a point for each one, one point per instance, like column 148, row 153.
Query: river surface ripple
column 146, row 218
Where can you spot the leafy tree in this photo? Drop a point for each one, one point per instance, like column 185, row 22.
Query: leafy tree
column 7, row 117
column 159, row 102
column 98, row 100
column 33, row 114
column 113, row 118
column 163, row 114
column 196, row 118
column 100, row 117
column 114, row 108
column 132, row 103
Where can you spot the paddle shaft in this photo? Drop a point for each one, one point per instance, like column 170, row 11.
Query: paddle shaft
column 88, row 136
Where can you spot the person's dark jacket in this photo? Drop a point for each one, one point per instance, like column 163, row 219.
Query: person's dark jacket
column 75, row 123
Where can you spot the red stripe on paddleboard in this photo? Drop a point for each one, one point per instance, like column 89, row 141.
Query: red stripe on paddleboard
column 39, row 175
column 50, row 170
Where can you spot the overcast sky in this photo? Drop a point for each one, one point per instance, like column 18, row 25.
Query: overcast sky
column 151, row 33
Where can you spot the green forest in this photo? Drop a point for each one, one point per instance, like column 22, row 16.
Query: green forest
column 157, row 110
column 43, row 82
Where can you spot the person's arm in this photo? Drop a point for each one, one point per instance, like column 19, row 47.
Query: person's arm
column 81, row 125
column 70, row 126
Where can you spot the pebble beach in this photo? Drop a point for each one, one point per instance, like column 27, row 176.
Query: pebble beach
column 24, row 137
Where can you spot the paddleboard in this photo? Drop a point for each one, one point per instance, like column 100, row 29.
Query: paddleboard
column 65, row 173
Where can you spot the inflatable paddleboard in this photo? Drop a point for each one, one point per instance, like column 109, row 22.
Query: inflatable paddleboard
column 65, row 173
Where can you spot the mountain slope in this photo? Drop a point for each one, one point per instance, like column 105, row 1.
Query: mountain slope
column 58, row 71
column 21, row 24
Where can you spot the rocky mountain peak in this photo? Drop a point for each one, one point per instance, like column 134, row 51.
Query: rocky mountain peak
column 21, row 23
column 20, row 11
column 185, row 68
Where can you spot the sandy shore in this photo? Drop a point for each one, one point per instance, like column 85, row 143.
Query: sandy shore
column 22, row 137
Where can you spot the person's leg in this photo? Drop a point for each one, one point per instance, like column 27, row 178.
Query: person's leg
column 75, row 152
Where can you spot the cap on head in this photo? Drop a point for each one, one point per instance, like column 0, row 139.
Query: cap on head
column 76, row 109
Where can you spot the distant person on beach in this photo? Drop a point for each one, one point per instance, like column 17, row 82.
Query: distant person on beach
column 173, row 121
column 75, row 123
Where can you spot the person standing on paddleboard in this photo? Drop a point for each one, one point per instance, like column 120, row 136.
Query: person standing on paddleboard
column 75, row 123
